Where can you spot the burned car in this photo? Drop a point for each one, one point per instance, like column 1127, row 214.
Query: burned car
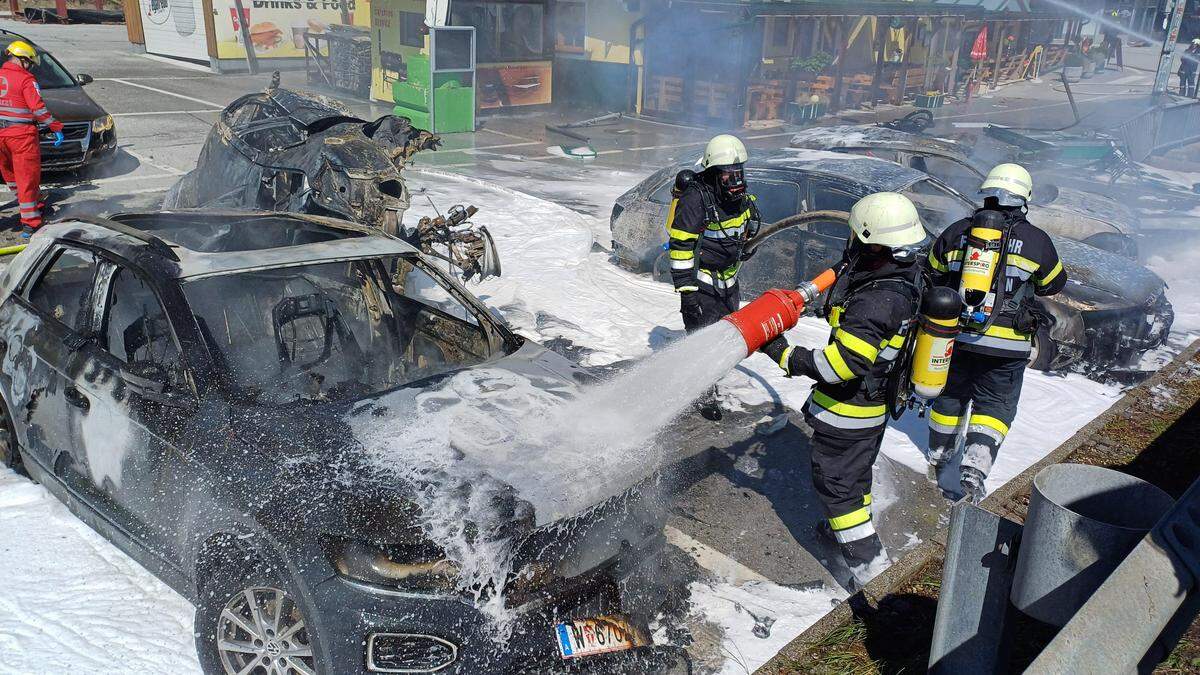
column 283, row 150
column 1089, row 217
column 195, row 386
column 1111, row 311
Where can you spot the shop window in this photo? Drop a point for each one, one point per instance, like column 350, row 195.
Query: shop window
column 511, row 31
column 570, row 26
column 412, row 29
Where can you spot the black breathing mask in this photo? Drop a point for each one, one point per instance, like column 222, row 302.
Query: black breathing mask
column 731, row 181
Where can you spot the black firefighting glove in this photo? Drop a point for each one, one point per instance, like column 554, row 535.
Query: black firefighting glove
column 775, row 349
column 689, row 306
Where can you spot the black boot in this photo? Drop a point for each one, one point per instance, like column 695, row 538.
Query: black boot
column 972, row 484
column 866, row 558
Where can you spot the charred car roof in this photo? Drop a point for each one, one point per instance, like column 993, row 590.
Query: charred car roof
column 201, row 243
column 875, row 174
column 856, row 136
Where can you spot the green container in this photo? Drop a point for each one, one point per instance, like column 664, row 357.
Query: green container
column 448, row 105
column 928, row 100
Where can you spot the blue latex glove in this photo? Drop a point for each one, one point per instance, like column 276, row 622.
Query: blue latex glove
column 58, row 138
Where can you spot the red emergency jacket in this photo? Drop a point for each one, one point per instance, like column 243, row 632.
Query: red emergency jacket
column 22, row 109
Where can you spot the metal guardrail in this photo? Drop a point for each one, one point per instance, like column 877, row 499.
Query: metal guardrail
column 1161, row 128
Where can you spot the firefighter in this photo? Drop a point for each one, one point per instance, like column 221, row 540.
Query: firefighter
column 870, row 309
column 708, row 228
column 991, row 353
column 22, row 111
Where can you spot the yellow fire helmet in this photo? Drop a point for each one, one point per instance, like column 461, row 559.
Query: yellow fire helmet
column 1010, row 183
column 22, row 49
column 888, row 219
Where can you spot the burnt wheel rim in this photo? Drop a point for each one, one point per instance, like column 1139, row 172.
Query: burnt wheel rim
column 261, row 631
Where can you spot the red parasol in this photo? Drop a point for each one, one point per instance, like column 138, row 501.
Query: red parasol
column 979, row 49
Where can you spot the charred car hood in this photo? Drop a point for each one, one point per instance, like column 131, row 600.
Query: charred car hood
column 344, row 145
column 1099, row 280
column 71, row 104
column 1090, row 204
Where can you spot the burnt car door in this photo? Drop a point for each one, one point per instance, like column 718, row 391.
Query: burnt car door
column 775, row 264
column 140, row 399
column 824, row 241
column 45, row 324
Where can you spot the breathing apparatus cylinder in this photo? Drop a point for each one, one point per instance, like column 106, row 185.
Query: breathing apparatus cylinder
column 981, row 257
column 937, row 327
column 682, row 179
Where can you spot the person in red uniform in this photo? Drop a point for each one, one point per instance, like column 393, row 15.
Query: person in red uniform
column 22, row 111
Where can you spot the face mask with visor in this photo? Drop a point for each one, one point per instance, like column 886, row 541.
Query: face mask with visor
column 732, row 181
column 1004, row 197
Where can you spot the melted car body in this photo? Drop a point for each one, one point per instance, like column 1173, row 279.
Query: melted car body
column 1111, row 311
column 201, row 387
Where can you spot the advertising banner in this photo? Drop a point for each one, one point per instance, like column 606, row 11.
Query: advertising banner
column 277, row 26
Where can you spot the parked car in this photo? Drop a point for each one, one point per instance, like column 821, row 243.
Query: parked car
column 189, row 384
column 1089, row 217
column 89, row 135
column 1111, row 311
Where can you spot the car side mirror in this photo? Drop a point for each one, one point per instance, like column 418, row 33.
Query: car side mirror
column 84, row 79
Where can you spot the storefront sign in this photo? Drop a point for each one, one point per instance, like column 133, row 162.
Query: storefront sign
column 276, row 26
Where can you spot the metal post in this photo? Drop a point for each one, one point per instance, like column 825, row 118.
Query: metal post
column 60, row 6
column 880, row 44
column 1163, row 77
column 251, row 57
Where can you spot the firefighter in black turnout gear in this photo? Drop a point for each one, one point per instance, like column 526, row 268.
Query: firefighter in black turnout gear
column 870, row 309
column 710, row 220
column 998, row 261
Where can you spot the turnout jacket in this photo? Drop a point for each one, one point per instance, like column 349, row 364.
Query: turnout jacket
column 1031, row 266
column 707, row 239
column 21, row 106
column 869, row 323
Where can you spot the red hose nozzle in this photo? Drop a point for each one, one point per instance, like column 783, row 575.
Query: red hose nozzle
column 776, row 311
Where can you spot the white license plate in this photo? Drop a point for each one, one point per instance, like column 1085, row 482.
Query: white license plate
column 588, row 637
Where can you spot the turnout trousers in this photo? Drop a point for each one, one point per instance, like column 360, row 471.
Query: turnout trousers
column 715, row 304
column 991, row 385
column 21, row 167
column 841, row 470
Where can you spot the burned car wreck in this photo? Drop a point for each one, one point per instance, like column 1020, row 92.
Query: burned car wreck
column 1111, row 311
column 200, row 388
column 283, row 150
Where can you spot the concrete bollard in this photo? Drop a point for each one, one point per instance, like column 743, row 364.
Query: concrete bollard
column 1083, row 521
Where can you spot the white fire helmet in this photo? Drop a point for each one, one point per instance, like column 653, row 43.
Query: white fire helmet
column 888, row 219
column 1011, row 184
column 724, row 150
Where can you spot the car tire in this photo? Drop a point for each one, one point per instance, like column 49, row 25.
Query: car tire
column 10, row 455
column 231, row 587
column 661, row 270
column 1043, row 351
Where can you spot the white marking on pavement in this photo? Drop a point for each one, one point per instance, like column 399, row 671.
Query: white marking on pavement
column 161, row 167
column 166, row 112
column 121, row 179
column 177, row 63
column 711, row 559
column 971, row 125
column 485, row 148
column 1130, row 78
column 506, row 134
column 168, row 93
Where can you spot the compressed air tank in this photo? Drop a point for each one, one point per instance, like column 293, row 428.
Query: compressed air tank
column 937, row 327
column 682, row 179
column 981, row 257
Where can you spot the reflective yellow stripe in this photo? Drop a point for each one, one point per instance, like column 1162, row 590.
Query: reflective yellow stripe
column 834, row 356
column 1054, row 272
column 856, row 517
column 682, row 235
column 847, row 409
column 947, row 420
column 867, row 499
column 937, row 264
column 783, row 359
column 835, row 316
column 897, row 341
column 1022, row 262
column 729, row 273
column 954, row 255
column 857, row 345
column 943, row 322
column 683, row 255
column 990, row 422
column 1006, row 333
column 731, row 223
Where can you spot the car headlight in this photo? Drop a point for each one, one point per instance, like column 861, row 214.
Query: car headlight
column 102, row 124
column 402, row 566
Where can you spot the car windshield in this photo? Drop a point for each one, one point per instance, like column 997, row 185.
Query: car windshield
column 334, row 331
column 937, row 205
column 49, row 74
